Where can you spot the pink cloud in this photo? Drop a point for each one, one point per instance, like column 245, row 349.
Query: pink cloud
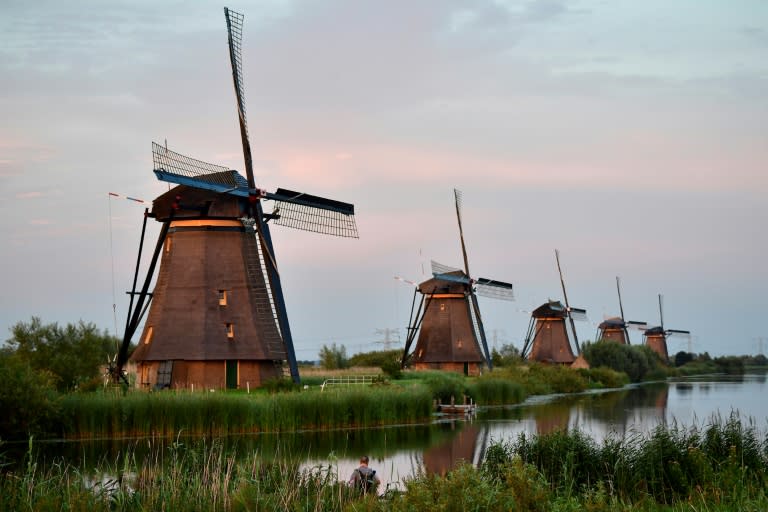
column 29, row 195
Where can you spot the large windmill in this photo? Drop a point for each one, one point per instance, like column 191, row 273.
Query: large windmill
column 217, row 316
column 656, row 337
column 448, row 322
column 547, row 338
column 615, row 328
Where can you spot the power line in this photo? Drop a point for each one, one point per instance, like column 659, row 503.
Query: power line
column 391, row 337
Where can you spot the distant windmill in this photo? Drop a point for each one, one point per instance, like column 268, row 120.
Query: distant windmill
column 656, row 337
column 217, row 317
column 615, row 328
column 547, row 338
column 448, row 322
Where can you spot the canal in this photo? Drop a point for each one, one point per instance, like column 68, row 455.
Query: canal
column 399, row 452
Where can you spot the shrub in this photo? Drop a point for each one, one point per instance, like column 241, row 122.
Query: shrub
column 444, row 385
column 376, row 358
column 559, row 379
column 605, row 377
column 634, row 360
column 280, row 384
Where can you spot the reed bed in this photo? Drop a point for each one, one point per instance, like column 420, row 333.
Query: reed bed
column 491, row 390
column 721, row 466
column 168, row 413
column 720, row 463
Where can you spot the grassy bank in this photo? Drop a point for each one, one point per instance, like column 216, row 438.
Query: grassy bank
column 114, row 415
column 168, row 413
column 284, row 407
column 722, row 466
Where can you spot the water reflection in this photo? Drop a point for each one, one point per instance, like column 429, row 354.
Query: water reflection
column 460, row 448
column 636, row 408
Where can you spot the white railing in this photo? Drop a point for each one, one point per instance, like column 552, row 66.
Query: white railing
column 350, row 380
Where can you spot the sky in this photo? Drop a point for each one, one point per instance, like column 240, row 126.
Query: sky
column 631, row 136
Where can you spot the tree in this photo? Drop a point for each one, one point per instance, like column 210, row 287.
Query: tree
column 73, row 354
column 27, row 398
column 683, row 357
column 334, row 357
column 507, row 355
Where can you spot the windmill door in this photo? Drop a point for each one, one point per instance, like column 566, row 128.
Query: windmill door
column 231, row 374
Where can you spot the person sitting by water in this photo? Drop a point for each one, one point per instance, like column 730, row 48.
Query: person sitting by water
column 364, row 478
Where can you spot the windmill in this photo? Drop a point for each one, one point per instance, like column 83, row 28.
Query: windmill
column 217, row 315
column 447, row 321
column 656, row 337
column 615, row 328
column 547, row 338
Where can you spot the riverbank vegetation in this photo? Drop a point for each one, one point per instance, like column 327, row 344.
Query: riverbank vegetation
column 54, row 387
column 719, row 466
column 113, row 415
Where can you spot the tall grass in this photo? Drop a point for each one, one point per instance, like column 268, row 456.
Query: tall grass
column 721, row 466
column 182, row 478
column 167, row 413
column 492, row 390
column 721, row 462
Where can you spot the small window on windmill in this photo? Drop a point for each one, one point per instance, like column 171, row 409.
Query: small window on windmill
column 222, row 297
column 230, row 331
column 148, row 336
column 459, row 344
column 168, row 244
column 164, row 373
column 442, row 306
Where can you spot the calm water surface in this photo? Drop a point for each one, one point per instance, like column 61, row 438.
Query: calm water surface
column 401, row 452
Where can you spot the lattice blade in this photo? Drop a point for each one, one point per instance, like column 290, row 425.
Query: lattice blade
column 284, row 195
column 439, row 268
column 460, row 278
column 578, row 314
column 315, row 214
column 235, row 31
column 678, row 332
column 177, row 168
column 640, row 326
column 494, row 289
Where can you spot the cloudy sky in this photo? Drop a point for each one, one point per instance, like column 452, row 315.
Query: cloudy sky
column 632, row 136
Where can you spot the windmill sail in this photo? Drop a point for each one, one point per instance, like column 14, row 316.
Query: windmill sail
column 477, row 323
column 439, row 268
column 494, row 289
column 490, row 288
column 567, row 305
column 296, row 210
column 312, row 213
column 235, row 31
